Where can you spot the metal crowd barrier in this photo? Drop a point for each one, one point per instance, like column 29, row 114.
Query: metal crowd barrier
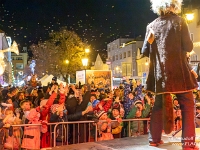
column 77, row 127
column 75, row 133
column 66, row 142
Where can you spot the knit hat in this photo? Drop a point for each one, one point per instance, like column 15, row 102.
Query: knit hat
column 138, row 102
column 173, row 96
column 93, row 90
column 116, row 106
column 12, row 89
column 107, row 91
column 100, row 113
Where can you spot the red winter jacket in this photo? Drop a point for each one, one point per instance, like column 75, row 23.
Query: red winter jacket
column 105, row 103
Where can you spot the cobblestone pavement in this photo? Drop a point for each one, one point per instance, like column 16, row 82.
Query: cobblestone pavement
column 131, row 143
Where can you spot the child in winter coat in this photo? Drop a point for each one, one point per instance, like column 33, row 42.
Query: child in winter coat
column 3, row 124
column 104, row 126
column 31, row 139
column 93, row 100
column 31, row 136
column 139, row 110
column 115, row 115
column 13, row 140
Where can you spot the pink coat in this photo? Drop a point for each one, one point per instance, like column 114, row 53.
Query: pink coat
column 31, row 139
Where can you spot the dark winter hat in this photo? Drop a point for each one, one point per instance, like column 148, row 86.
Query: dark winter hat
column 40, row 88
column 12, row 89
column 93, row 90
column 100, row 113
column 100, row 89
column 138, row 102
column 107, row 91
column 116, row 106
column 173, row 96
column 54, row 78
column 195, row 93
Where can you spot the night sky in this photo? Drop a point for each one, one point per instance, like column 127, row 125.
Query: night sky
column 97, row 22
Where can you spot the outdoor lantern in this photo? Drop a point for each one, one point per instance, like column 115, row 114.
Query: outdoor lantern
column 189, row 16
column 85, row 61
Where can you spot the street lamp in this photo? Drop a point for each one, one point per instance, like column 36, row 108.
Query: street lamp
column 67, row 61
column 188, row 13
column 117, row 68
column 189, row 16
column 85, row 62
column 87, row 50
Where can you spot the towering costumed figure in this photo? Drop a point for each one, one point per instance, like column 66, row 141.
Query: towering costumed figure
column 166, row 43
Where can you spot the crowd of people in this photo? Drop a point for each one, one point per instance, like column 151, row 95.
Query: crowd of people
column 33, row 104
